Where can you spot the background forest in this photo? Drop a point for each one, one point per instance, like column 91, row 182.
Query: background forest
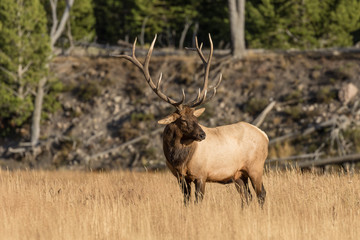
column 269, row 24
column 36, row 35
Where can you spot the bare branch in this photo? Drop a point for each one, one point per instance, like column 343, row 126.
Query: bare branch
column 26, row 68
column 259, row 120
column 53, row 4
column 56, row 30
column 11, row 74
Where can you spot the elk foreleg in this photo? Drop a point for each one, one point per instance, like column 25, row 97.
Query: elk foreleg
column 199, row 190
column 242, row 186
column 185, row 186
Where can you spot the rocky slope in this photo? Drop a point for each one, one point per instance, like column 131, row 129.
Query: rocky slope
column 108, row 113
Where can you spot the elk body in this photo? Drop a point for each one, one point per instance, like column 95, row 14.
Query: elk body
column 195, row 153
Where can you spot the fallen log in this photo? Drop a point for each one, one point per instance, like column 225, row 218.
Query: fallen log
column 318, row 163
column 332, row 160
column 291, row 158
column 307, row 131
column 259, row 120
column 118, row 148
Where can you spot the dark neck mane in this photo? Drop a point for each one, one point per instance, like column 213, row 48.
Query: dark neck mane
column 177, row 149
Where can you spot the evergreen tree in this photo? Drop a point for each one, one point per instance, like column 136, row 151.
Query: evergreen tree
column 345, row 20
column 113, row 20
column 301, row 24
column 266, row 22
column 82, row 20
column 24, row 52
column 213, row 17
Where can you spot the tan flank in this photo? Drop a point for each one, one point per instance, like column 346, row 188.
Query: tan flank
column 194, row 153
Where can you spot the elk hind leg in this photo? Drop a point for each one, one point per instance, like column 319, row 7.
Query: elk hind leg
column 259, row 189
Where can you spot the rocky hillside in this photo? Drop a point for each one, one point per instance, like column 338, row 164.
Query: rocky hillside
column 108, row 116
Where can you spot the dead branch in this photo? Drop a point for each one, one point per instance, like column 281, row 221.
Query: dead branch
column 291, row 158
column 259, row 120
column 307, row 131
column 57, row 28
column 118, row 148
column 331, row 160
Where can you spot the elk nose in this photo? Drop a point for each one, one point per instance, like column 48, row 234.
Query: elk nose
column 202, row 136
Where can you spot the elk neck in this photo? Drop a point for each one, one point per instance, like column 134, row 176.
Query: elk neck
column 177, row 149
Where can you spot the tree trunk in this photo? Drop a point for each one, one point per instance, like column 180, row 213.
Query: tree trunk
column 70, row 37
column 237, row 27
column 184, row 32
column 142, row 34
column 195, row 32
column 57, row 29
column 36, row 118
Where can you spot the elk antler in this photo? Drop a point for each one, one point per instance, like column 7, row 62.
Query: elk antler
column 201, row 97
column 145, row 70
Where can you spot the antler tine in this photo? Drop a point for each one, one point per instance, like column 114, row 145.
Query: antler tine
column 204, row 100
column 214, row 89
column 207, row 65
column 145, row 70
column 132, row 58
column 198, row 49
column 201, row 101
column 148, row 56
column 202, row 94
column 159, row 81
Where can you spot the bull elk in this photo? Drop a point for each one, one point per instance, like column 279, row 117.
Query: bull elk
column 195, row 153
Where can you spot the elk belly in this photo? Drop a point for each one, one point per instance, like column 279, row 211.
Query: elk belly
column 215, row 163
column 227, row 151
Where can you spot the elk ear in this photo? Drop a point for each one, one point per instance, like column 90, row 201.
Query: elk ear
column 169, row 119
column 198, row 112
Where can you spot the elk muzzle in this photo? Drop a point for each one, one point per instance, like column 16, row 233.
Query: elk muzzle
column 200, row 135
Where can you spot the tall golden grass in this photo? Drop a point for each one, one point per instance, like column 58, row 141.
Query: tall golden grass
column 125, row 205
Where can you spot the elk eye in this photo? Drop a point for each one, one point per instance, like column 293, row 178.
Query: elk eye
column 184, row 123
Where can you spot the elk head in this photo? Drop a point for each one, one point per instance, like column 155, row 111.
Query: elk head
column 185, row 115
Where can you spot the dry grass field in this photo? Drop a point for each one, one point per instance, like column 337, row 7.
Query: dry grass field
column 124, row 205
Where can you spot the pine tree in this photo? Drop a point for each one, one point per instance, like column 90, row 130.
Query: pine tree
column 24, row 52
column 301, row 24
column 345, row 19
column 113, row 20
column 82, row 20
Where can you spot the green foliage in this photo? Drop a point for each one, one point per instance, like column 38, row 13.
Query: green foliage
column 301, row 24
column 269, row 23
column 255, row 105
column 24, row 54
column 352, row 134
column 124, row 19
column 82, row 20
column 141, row 117
column 113, row 20
column 51, row 103
column 345, row 19
column 295, row 95
column 214, row 18
column 280, row 24
column 87, row 91
column 326, row 95
column 14, row 110
column 295, row 112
